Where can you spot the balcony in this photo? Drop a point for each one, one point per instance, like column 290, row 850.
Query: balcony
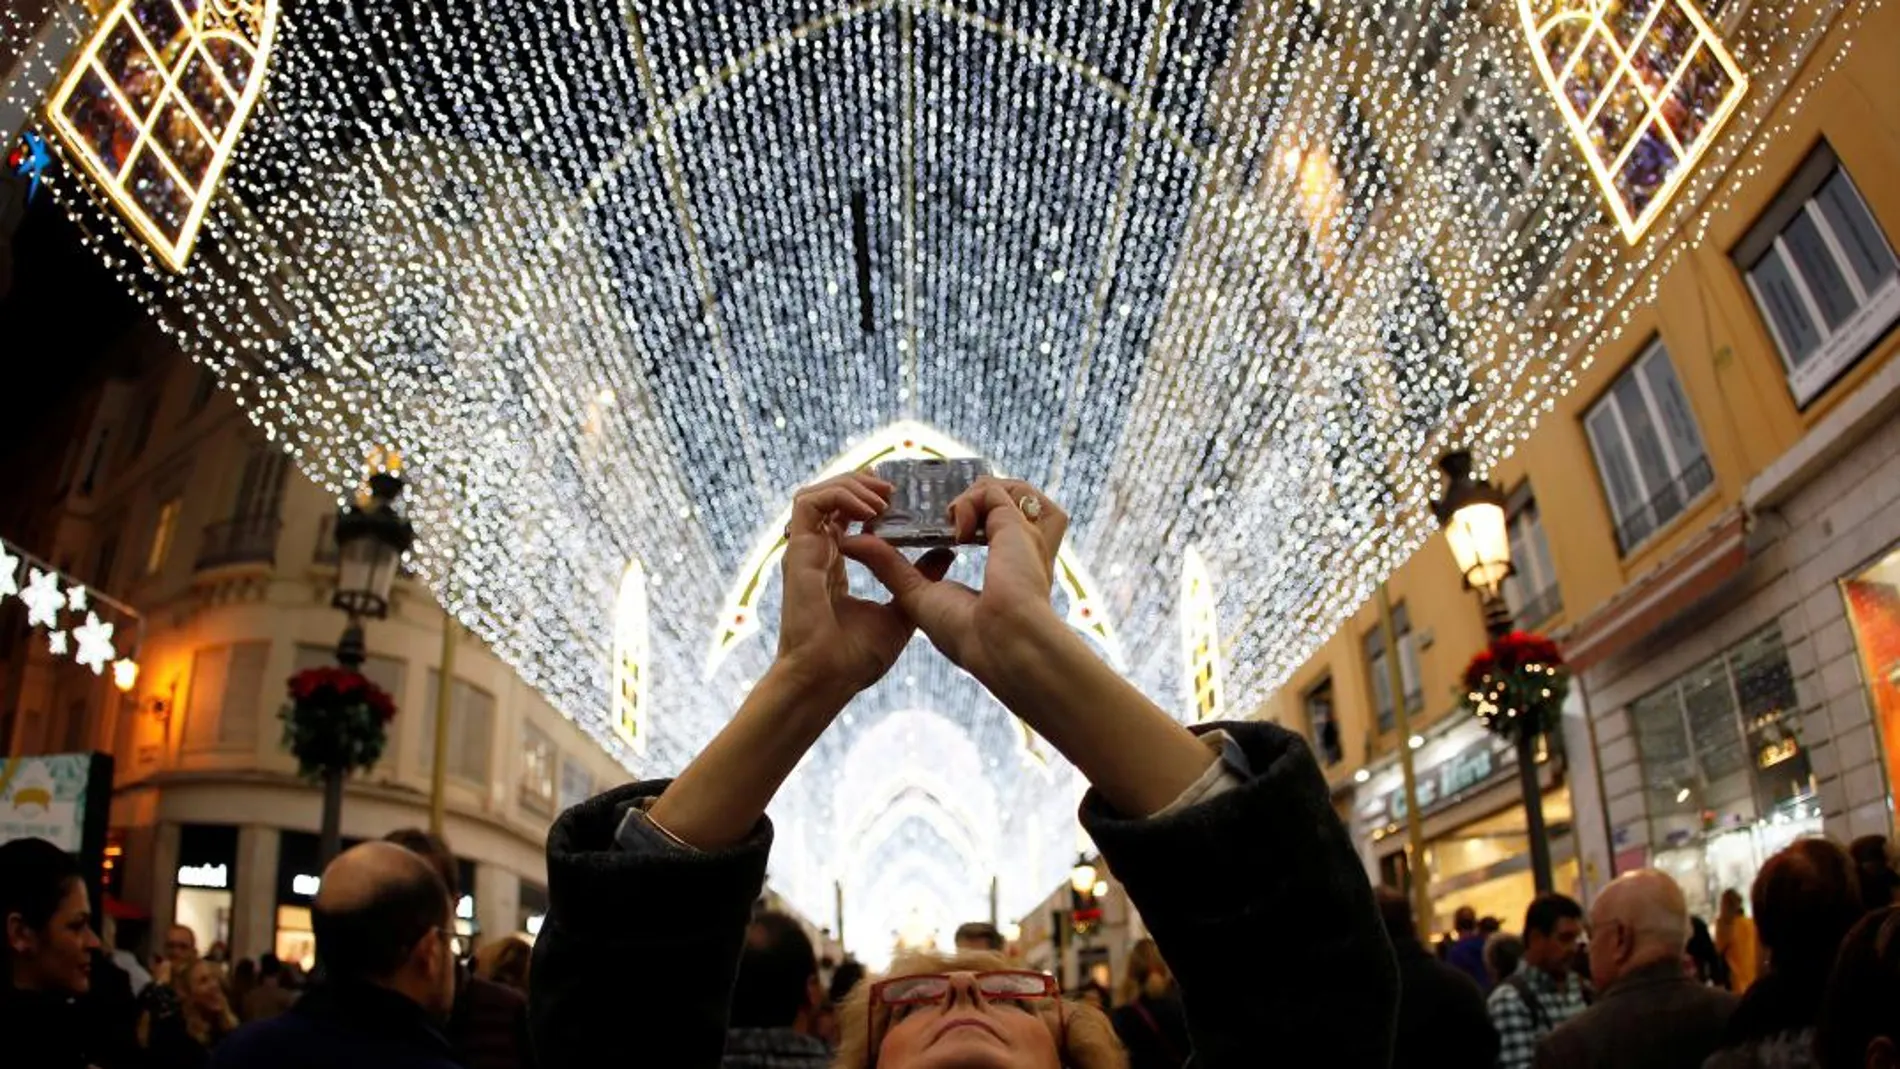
column 252, row 540
column 1664, row 505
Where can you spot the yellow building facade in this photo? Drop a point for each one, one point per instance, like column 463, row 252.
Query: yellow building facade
column 1708, row 522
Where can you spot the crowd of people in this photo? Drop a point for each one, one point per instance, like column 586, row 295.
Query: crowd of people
column 1269, row 944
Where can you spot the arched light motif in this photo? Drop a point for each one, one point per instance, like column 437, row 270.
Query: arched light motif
column 154, row 106
column 904, row 440
column 1643, row 89
column 631, row 659
column 1200, row 639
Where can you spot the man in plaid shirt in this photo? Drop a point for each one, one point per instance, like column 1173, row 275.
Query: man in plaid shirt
column 1544, row 992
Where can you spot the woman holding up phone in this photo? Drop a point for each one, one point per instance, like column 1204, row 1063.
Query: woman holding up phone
column 1227, row 843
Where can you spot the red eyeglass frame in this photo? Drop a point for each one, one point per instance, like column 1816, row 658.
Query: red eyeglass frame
column 1051, row 990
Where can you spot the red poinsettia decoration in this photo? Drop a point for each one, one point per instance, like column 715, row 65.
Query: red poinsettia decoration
column 337, row 720
column 1517, row 684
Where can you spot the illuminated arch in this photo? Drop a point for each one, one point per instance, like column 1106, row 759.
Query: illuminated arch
column 904, row 440
column 631, row 659
column 1200, row 639
column 1643, row 98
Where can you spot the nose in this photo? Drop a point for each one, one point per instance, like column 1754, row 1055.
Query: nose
column 963, row 987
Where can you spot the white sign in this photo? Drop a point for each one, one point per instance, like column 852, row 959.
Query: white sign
column 305, row 884
column 535, row 921
column 44, row 798
column 214, row 877
column 465, row 907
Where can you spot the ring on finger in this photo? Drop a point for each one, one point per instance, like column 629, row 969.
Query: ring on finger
column 1031, row 506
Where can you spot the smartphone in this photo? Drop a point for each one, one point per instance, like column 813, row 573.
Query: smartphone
column 920, row 501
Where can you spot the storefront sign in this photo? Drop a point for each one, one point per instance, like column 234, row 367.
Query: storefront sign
column 1444, row 783
column 45, row 798
column 305, row 884
column 214, row 877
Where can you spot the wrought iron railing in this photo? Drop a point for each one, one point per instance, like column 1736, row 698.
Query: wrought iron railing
column 250, row 540
column 1664, row 505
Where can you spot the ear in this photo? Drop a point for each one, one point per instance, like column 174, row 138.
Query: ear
column 19, row 936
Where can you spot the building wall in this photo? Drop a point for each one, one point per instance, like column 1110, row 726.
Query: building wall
column 1749, row 421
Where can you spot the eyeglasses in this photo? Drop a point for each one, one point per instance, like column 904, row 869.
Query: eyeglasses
column 894, row 996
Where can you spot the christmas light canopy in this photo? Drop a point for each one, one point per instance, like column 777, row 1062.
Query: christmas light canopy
column 617, row 278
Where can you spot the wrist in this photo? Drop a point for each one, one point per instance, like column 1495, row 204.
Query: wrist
column 1031, row 647
column 809, row 686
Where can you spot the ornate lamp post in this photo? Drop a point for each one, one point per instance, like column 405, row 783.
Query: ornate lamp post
column 1471, row 512
column 371, row 537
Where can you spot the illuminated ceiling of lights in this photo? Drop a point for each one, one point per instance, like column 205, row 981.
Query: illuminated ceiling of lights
column 618, row 276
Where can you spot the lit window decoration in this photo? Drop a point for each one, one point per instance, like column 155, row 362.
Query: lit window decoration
column 631, row 657
column 1200, row 639
column 905, row 440
column 154, row 106
column 1644, row 88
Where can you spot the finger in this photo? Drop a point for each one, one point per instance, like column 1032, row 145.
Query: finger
column 1052, row 524
column 890, row 567
column 813, row 508
column 872, row 494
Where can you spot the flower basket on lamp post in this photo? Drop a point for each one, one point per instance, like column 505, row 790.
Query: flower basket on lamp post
column 337, row 722
column 1516, row 688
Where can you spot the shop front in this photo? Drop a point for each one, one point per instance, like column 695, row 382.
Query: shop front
column 1873, row 608
column 533, row 908
column 299, row 871
column 1471, row 808
column 205, row 882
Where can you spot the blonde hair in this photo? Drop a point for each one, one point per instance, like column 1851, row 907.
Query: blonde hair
column 505, row 961
column 1144, row 960
column 1087, row 1038
column 203, row 1027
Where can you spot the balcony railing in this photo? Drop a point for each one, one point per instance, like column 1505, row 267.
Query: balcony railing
column 1665, row 505
column 252, row 540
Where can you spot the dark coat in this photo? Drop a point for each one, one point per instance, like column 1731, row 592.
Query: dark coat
column 1773, row 1028
column 43, row 1029
column 1154, row 1031
column 340, row 1026
column 1443, row 1022
column 489, row 1026
column 1215, row 882
column 1657, row 1017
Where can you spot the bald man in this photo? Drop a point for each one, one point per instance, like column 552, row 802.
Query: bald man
column 1650, row 1013
column 384, row 926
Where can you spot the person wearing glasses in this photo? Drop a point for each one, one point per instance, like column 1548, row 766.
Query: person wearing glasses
column 1227, row 843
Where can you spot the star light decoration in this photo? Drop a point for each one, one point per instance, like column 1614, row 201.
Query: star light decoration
column 619, row 276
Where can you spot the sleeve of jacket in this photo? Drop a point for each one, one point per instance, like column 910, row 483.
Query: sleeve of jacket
column 635, row 962
column 1264, row 913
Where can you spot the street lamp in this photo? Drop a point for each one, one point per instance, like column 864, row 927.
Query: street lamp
column 1478, row 531
column 371, row 537
column 1083, row 878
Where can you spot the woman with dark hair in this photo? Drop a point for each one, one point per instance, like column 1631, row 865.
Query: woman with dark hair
column 1860, row 1021
column 47, row 956
column 1226, row 842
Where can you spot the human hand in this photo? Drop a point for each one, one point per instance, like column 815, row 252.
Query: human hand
column 827, row 637
column 977, row 629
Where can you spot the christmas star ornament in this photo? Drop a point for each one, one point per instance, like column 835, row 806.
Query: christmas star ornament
column 43, row 599
column 76, row 598
column 95, row 643
column 9, row 570
column 56, row 643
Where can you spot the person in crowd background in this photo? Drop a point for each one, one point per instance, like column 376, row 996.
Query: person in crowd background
column 1736, row 939
column 979, row 935
column 271, row 995
column 1090, row 992
column 185, row 1040
column 844, row 980
column 384, row 925
column 505, row 961
column 488, row 1026
column 1649, row 1012
column 776, row 1000
column 1704, row 958
column 243, row 979
column 1806, row 898
column 1502, row 952
column 1443, row 1022
column 1148, row 1015
column 1873, row 865
column 48, row 957
column 1860, row 1017
column 1544, row 990
column 1227, row 843
column 1467, row 949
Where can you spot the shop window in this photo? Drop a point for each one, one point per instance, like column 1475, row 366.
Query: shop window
column 1822, row 273
column 539, row 759
column 577, row 784
column 386, row 672
column 471, row 731
column 1648, row 448
column 1726, row 775
column 1381, row 677
column 164, row 526
column 1873, row 605
column 1321, row 724
column 1532, row 592
column 225, row 699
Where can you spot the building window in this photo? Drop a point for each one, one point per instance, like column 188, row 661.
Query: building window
column 539, row 759
column 1721, row 752
column 226, row 702
column 577, row 784
column 471, row 730
column 1321, row 724
column 107, row 560
column 1648, row 450
column 163, row 527
column 630, row 658
column 1532, row 592
column 1200, row 638
column 1381, row 677
column 1822, row 273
